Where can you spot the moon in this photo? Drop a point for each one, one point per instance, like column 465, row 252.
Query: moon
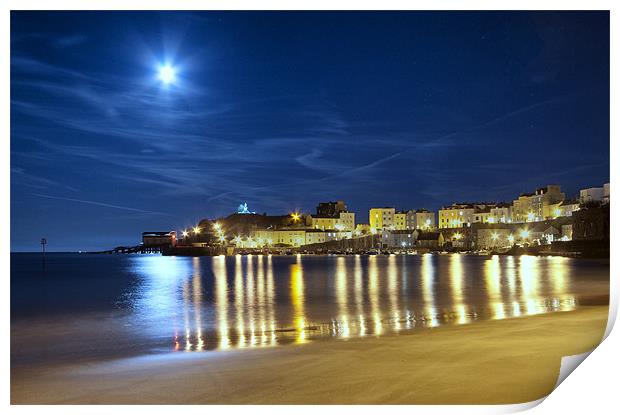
column 167, row 74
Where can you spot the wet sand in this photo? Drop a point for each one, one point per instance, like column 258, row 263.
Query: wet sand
column 490, row 362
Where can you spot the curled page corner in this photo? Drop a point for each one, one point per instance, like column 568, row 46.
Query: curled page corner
column 520, row 407
column 611, row 319
column 570, row 363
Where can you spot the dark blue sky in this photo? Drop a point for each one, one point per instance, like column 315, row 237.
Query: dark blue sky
column 282, row 110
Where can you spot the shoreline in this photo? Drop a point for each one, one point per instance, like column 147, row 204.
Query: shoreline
column 420, row 252
column 494, row 361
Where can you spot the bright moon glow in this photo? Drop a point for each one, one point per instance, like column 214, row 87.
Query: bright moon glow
column 166, row 74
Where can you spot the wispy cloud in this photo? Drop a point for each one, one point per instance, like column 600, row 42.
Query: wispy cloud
column 69, row 41
column 183, row 149
column 20, row 175
column 193, row 143
column 95, row 203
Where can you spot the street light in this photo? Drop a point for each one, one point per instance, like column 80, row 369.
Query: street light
column 457, row 236
column 185, row 234
column 525, row 234
column 295, row 216
column 511, row 238
column 196, row 230
column 217, row 226
column 494, row 236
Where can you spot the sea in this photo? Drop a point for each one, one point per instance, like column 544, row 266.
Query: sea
column 70, row 307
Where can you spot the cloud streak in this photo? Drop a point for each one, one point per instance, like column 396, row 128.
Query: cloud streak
column 95, row 203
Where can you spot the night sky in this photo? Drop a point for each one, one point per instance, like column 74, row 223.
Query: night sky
column 283, row 110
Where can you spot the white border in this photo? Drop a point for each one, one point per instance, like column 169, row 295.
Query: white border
column 589, row 390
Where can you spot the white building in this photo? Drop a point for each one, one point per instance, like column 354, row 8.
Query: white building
column 500, row 214
column 592, row 194
column 424, row 219
column 606, row 193
column 346, row 221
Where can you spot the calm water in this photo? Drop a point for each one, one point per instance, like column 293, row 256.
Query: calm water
column 96, row 306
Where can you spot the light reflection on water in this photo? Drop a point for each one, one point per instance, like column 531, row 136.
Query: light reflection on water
column 257, row 301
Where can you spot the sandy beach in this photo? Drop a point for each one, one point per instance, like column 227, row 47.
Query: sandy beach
column 491, row 362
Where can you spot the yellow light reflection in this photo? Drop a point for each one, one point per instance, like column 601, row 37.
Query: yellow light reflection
column 558, row 267
column 249, row 298
column 392, row 277
column 529, row 276
column 456, row 284
column 558, row 274
column 373, row 294
column 342, row 295
column 221, row 298
column 270, row 301
column 261, row 298
column 428, row 295
column 297, row 298
column 188, row 332
column 511, row 276
column 492, row 277
column 239, row 306
column 359, row 294
column 197, row 294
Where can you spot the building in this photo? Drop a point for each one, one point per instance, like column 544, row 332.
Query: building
column 591, row 194
column 344, row 221
column 537, row 206
column 500, row 213
column 566, row 208
column 159, row 239
column 275, row 237
column 315, row 236
column 323, row 222
column 381, row 218
column 483, row 214
column 493, row 236
column 332, row 216
column 462, row 238
column 465, row 214
column 399, row 238
column 544, row 233
column 290, row 237
column 330, row 209
column 410, row 219
column 420, row 219
column 456, row 215
column 430, row 240
column 293, row 237
column 400, row 221
column 595, row 194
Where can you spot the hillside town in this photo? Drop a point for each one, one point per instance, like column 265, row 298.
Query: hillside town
column 544, row 218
